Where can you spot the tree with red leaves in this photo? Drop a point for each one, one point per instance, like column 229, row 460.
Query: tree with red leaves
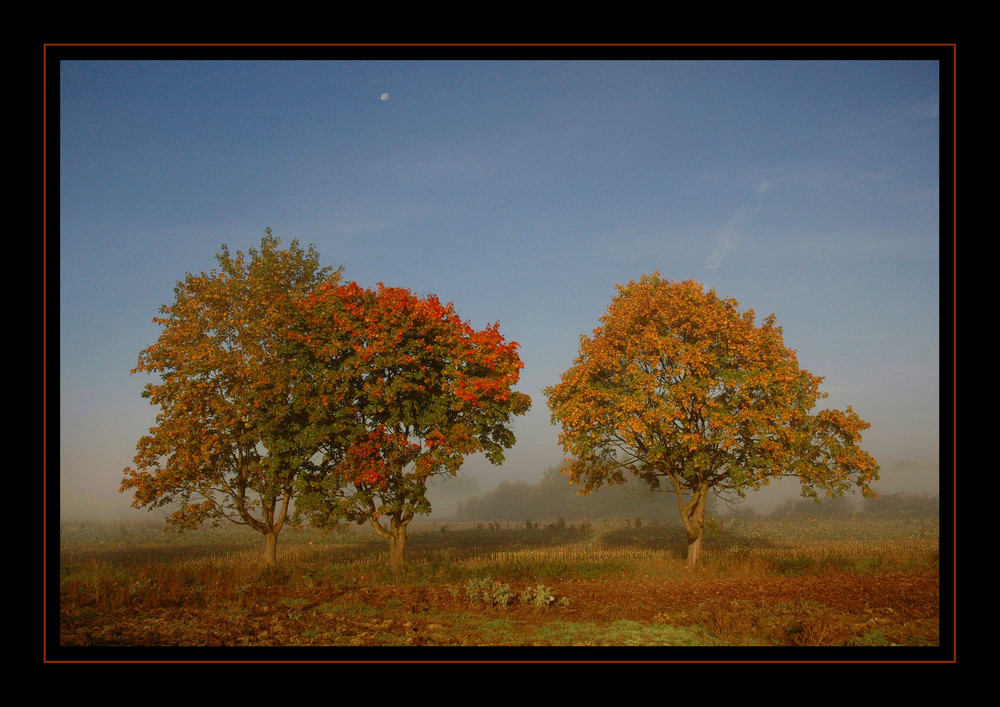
column 424, row 390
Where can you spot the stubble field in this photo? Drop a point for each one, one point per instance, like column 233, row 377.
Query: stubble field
column 846, row 583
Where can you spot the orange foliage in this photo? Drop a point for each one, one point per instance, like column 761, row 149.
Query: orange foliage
column 677, row 384
column 228, row 440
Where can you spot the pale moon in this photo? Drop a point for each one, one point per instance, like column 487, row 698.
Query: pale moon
column 384, row 96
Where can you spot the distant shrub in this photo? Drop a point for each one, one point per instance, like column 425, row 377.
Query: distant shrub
column 836, row 507
column 902, row 505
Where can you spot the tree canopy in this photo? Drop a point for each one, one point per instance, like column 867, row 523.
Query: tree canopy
column 424, row 390
column 678, row 387
column 232, row 430
column 278, row 382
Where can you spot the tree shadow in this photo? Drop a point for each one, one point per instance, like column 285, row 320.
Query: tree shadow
column 672, row 537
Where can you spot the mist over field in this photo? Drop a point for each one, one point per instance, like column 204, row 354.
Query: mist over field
column 449, row 494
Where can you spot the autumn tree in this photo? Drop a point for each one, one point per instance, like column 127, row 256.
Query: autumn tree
column 425, row 390
column 678, row 387
column 233, row 429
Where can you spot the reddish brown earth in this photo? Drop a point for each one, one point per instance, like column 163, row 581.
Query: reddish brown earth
column 832, row 609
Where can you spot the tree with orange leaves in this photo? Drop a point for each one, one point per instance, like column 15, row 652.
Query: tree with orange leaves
column 234, row 427
column 424, row 390
column 679, row 387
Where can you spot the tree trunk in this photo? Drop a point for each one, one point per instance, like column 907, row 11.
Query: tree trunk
column 272, row 522
column 693, row 515
column 271, row 549
column 694, row 548
column 396, row 544
column 395, row 533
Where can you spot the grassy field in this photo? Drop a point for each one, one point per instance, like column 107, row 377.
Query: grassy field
column 845, row 583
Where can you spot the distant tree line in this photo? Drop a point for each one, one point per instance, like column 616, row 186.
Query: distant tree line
column 555, row 497
column 889, row 505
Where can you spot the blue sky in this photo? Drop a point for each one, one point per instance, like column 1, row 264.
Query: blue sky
column 521, row 191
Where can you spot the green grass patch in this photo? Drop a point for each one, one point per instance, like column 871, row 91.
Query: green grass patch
column 620, row 633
